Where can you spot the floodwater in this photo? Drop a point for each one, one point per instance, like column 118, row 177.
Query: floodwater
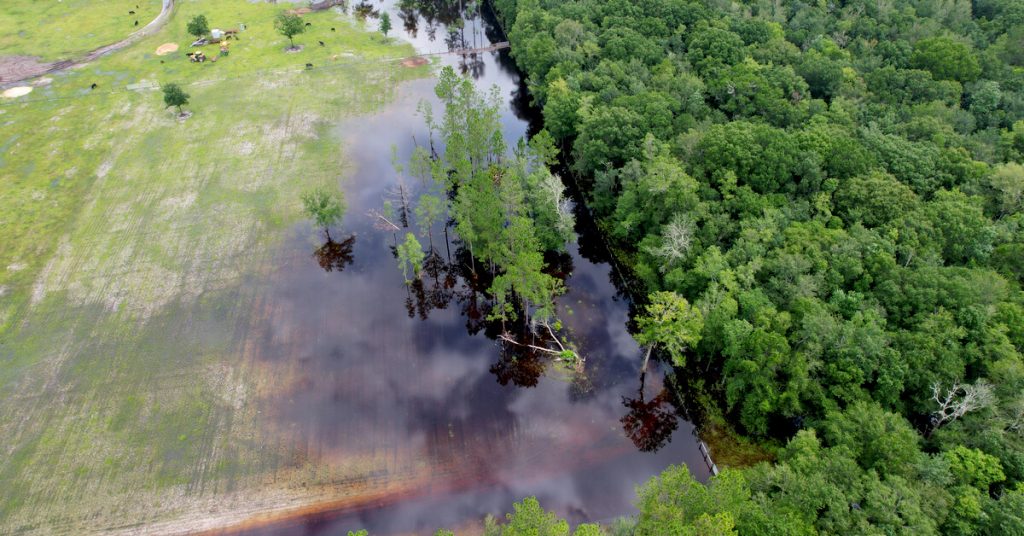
column 412, row 377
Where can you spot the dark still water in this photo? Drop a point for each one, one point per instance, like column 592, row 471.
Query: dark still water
column 406, row 386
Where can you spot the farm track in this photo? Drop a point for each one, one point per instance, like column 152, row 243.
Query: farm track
column 21, row 68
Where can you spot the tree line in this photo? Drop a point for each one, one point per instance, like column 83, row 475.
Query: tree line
column 823, row 202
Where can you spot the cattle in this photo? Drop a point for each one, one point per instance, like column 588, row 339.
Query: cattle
column 321, row 43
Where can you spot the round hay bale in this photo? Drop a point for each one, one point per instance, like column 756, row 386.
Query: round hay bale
column 16, row 92
column 166, row 49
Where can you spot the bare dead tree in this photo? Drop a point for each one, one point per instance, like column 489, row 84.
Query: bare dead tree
column 959, row 400
column 560, row 354
column 399, row 195
column 1016, row 421
column 676, row 240
column 381, row 222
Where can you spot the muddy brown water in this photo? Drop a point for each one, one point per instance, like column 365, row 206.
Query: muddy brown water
column 411, row 375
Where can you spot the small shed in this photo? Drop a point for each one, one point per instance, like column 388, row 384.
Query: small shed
column 217, row 33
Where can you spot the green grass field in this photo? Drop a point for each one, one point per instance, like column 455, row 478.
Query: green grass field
column 58, row 29
column 131, row 244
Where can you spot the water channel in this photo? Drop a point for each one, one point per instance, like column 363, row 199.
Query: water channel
column 412, row 376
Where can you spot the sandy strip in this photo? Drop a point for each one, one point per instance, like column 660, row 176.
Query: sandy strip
column 16, row 92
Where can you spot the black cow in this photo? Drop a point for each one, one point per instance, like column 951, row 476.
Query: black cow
column 131, row 12
column 136, row 23
column 321, row 43
column 309, row 65
column 309, row 24
column 94, row 86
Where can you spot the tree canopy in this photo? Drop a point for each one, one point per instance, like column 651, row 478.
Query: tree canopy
column 174, row 96
column 198, row 26
column 835, row 191
column 289, row 25
column 326, row 207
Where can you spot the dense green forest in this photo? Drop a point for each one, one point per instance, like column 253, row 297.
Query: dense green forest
column 832, row 193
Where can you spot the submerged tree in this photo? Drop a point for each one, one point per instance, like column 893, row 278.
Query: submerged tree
column 410, row 255
column 326, row 207
column 289, row 25
column 174, row 96
column 385, row 23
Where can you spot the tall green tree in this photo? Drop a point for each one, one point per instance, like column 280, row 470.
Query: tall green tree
column 410, row 256
column 198, row 26
column 671, row 324
column 946, row 59
column 289, row 25
column 174, row 96
column 326, row 207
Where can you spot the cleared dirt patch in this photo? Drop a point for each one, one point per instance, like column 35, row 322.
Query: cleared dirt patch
column 21, row 67
column 166, row 49
column 16, row 92
column 415, row 61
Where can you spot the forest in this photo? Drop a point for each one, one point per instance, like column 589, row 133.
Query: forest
column 820, row 207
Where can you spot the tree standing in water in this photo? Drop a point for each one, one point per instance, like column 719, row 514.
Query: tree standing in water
column 324, row 206
column 410, row 254
column 385, row 23
column 174, row 96
column 289, row 25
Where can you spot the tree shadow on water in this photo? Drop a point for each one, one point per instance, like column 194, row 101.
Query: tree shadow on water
column 650, row 424
column 335, row 256
column 522, row 369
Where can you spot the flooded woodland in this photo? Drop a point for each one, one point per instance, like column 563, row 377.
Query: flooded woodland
column 414, row 374
column 191, row 359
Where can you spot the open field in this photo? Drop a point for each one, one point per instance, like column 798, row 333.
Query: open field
column 131, row 240
column 55, row 30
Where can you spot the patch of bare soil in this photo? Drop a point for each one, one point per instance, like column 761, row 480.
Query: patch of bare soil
column 166, row 49
column 14, row 68
column 415, row 61
column 18, row 91
column 17, row 68
column 294, row 49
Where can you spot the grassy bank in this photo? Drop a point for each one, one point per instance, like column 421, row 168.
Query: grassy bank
column 61, row 29
column 133, row 245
